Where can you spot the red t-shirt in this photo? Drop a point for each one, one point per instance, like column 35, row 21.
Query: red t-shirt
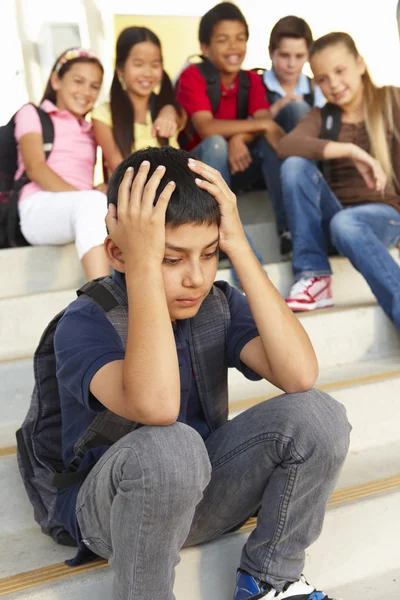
column 192, row 95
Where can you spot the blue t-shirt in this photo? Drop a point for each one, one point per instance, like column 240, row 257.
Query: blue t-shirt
column 85, row 341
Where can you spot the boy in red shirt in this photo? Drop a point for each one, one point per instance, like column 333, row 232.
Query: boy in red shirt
column 239, row 146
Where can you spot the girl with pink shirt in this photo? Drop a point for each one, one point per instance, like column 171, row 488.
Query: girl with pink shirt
column 59, row 204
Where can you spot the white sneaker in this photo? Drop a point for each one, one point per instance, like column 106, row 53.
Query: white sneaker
column 309, row 294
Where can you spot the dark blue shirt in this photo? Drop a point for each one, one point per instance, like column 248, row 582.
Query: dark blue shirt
column 85, row 341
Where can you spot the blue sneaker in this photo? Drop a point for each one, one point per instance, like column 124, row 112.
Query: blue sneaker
column 249, row 587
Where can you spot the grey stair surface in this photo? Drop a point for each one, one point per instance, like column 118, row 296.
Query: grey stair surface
column 258, row 218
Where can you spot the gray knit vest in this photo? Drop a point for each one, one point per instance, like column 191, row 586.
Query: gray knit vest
column 207, row 344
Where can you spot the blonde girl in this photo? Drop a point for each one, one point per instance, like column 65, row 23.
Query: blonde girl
column 358, row 207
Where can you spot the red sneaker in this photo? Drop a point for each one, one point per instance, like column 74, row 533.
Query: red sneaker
column 309, row 294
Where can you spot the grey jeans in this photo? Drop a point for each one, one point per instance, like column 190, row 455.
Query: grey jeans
column 159, row 489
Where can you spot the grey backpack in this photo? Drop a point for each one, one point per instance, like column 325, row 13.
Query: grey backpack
column 39, row 440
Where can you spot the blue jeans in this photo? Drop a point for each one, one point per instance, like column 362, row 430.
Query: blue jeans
column 291, row 114
column 362, row 233
column 161, row 488
column 214, row 152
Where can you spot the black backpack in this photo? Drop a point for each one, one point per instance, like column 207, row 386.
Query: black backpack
column 10, row 232
column 331, row 122
column 213, row 82
column 39, row 440
column 309, row 98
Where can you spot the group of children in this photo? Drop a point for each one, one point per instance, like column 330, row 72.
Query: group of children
column 237, row 122
column 182, row 473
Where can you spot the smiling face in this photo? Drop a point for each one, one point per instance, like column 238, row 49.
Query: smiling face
column 78, row 89
column 143, row 69
column 227, row 47
column 339, row 74
column 189, row 267
column 289, row 59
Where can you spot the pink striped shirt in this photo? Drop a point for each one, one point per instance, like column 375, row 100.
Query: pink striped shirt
column 73, row 155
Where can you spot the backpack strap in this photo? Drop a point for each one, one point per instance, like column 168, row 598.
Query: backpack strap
column 331, row 122
column 310, row 97
column 243, row 95
column 108, row 301
column 48, row 140
column 101, row 295
column 47, row 130
column 270, row 96
column 12, row 226
column 211, row 76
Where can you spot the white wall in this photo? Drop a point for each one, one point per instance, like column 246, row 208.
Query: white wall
column 372, row 24
column 13, row 88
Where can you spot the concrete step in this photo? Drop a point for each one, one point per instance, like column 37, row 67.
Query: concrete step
column 349, row 333
column 361, row 466
column 97, row 584
column 34, row 270
column 342, row 554
column 372, row 385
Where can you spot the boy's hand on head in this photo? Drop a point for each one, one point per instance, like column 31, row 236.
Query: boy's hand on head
column 231, row 233
column 238, row 154
column 139, row 229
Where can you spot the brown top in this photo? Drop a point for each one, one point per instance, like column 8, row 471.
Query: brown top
column 344, row 179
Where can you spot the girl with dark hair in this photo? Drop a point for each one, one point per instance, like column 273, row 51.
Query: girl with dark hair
column 138, row 115
column 357, row 205
column 59, row 204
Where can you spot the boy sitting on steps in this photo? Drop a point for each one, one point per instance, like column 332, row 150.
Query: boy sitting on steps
column 290, row 92
column 186, row 474
column 238, row 138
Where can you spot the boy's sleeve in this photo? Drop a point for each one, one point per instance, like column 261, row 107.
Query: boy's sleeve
column 191, row 91
column 84, row 342
column 257, row 94
column 103, row 114
column 27, row 121
column 241, row 331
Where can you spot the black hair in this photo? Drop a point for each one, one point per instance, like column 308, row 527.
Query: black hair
column 225, row 11
column 188, row 203
column 122, row 111
column 49, row 93
column 290, row 27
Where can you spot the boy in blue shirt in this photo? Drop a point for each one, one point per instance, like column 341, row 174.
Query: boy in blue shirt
column 185, row 474
column 290, row 92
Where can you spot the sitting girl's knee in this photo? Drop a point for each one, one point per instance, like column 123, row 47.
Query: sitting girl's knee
column 293, row 167
column 343, row 227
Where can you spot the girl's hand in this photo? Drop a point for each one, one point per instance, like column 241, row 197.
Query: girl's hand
column 164, row 127
column 231, row 233
column 370, row 169
column 139, row 229
column 102, row 187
